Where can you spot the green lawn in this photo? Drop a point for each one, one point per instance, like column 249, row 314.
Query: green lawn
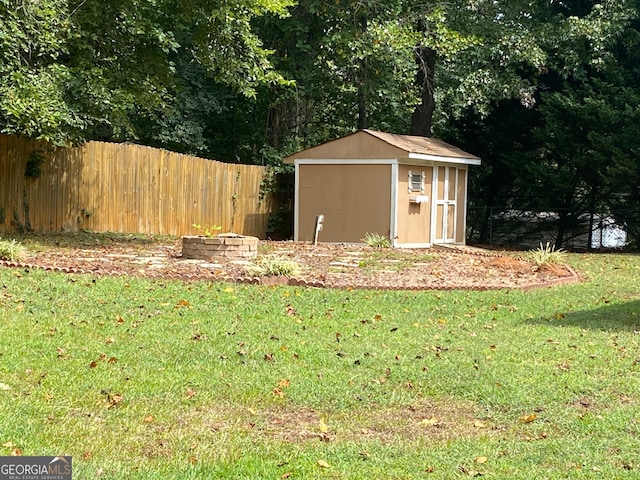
column 145, row 379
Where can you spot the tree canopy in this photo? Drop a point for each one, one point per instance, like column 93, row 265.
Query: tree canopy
column 546, row 92
column 72, row 70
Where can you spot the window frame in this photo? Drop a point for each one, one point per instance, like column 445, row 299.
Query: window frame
column 415, row 179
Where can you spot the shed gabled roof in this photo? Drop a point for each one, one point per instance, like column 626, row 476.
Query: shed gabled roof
column 371, row 144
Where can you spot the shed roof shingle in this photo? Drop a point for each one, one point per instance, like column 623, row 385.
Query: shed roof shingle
column 421, row 145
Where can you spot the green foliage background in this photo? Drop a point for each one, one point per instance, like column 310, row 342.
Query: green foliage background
column 545, row 92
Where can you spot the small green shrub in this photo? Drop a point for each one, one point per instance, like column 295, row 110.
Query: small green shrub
column 11, row 250
column 271, row 266
column 546, row 254
column 376, row 240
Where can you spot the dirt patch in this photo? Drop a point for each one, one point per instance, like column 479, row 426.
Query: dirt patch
column 511, row 264
column 336, row 266
column 554, row 269
column 425, row 422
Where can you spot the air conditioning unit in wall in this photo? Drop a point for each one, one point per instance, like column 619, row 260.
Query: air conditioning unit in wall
column 419, row 198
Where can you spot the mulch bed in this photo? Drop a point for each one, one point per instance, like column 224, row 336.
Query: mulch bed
column 324, row 265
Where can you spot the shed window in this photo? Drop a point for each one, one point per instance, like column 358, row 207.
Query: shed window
column 416, row 182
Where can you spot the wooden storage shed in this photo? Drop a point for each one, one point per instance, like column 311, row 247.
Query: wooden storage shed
column 411, row 189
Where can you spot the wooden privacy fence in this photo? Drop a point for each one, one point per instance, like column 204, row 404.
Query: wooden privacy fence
column 107, row 187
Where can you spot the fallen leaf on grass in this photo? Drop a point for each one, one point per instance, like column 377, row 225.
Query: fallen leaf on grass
column 481, row 460
column 86, row 455
column 323, row 464
column 528, row 418
column 322, row 426
column 470, row 473
column 284, row 383
column 114, row 400
column 430, row 422
column 148, row 419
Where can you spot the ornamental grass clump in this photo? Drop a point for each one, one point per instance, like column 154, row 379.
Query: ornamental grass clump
column 273, row 266
column 376, row 240
column 11, row 251
column 546, row 254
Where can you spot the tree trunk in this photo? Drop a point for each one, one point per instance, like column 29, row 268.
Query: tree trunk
column 273, row 126
column 363, row 83
column 422, row 117
column 362, row 99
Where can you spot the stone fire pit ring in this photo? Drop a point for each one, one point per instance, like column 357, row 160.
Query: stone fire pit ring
column 223, row 246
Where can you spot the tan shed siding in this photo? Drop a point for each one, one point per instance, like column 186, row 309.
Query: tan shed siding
column 354, row 199
column 414, row 219
column 461, row 221
column 360, row 145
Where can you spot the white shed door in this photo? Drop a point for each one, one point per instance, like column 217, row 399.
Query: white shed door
column 445, row 204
